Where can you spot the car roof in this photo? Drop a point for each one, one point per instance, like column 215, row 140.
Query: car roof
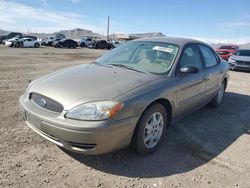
column 174, row 40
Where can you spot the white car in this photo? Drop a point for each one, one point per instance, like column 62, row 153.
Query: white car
column 85, row 42
column 28, row 42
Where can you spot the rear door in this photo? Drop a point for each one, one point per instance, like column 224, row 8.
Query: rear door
column 191, row 86
column 213, row 71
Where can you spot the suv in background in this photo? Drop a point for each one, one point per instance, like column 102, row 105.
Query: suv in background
column 85, row 42
column 226, row 51
column 103, row 44
column 9, row 36
column 48, row 41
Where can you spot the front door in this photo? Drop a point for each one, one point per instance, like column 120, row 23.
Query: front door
column 191, row 86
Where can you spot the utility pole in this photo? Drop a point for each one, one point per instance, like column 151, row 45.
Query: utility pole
column 108, row 29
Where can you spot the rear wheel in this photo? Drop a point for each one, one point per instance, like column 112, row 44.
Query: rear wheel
column 217, row 100
column 150, row 130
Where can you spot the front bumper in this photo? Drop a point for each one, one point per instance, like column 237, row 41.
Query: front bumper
column 239, row 67
column 87, row 137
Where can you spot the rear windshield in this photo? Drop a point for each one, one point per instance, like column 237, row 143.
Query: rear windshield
column 243, row 53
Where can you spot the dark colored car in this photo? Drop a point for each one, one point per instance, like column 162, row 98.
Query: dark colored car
column 226, row 51
column 240, row 60
column 103, row 44
column 9, row 36
column 66, row 43
column 129, row 96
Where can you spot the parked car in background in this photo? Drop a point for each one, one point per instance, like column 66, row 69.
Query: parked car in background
column 103, row 44
column 27, row 42
column 11, row 42
column 55, row 41
column 85, row 42
column 128, row 97
column 48, row 41
column 226, row 51
column 116, row 43
column 240, row 60
column 9, row 36
column 66, row 43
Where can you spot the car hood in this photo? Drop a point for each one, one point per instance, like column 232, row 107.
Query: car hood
column 240, row 58
column 89, row 82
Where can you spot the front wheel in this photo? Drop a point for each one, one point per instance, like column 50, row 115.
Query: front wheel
column 150, row 130
column 217, row 100
column 36, row 45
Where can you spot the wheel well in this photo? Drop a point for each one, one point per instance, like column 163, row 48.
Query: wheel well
column 167, row 106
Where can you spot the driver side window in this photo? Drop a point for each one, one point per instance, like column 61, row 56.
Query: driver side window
column 190, row 56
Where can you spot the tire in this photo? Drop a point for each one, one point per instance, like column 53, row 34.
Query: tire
column 82, row 45
column 36, row 45
column 149, row 133
column 218, row 99
column 17, row 45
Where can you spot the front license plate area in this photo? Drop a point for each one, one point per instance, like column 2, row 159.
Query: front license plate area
column 33, row 120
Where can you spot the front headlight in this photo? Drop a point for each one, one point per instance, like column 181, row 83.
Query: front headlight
column 231, row 60
column 95, row 110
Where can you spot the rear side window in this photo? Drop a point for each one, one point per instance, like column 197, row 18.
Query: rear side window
column 209, row 57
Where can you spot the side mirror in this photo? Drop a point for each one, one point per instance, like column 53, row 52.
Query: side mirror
column 189, row 69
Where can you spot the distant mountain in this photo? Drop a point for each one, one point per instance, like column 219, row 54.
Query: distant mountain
column 73, row 33
column 213, row 45
column 2, row 32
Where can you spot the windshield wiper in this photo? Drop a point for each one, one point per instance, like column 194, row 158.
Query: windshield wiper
column 127, row 67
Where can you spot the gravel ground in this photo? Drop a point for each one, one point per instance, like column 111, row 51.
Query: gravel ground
column 210, row 148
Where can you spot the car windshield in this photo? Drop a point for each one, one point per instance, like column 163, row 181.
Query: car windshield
column 228, row 47
column 151, row 57
column 243, row 53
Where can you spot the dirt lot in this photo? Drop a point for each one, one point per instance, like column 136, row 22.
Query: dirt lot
column 210, row 148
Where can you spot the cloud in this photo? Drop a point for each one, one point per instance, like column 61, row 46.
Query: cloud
column 20, row 17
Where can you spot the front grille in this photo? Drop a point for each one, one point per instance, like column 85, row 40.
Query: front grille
column 243, row 62
column 46, row 103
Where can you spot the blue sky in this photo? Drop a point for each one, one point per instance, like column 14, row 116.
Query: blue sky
column 208, row 20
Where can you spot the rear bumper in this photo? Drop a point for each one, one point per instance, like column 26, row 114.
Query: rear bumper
column 87, row 137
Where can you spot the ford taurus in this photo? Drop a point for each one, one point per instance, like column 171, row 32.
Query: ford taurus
column 127, row 97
